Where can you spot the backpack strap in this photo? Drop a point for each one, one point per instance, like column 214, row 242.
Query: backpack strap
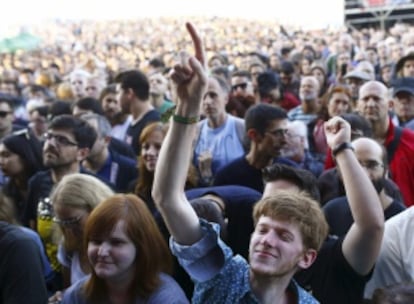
column 392, row 147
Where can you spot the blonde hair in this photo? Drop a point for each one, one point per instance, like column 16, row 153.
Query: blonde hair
column 80, row 191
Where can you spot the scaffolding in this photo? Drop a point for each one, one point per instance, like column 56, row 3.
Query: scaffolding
column 379, row 13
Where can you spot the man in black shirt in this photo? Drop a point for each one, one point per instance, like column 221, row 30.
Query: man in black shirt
column 133, row 94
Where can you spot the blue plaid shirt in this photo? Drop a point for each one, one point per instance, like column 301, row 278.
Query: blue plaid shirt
column 219, row 276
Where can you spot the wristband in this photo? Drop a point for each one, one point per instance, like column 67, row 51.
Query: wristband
column 185, row 120
column 339, row 148
column 165, row 117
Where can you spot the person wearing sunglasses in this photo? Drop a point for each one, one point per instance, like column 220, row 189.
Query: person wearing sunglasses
column 242, row 94
column 67, row 142
column 73, row 200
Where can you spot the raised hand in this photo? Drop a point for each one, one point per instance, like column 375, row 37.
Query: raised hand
column 337, row 131
column 190, row 76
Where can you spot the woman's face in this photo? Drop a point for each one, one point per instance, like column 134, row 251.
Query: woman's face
column 305, row 67
column 113, row 256
column 320, row 76
column 10, row 163
column 339, row 104
column 72, row 221
column 150, row 149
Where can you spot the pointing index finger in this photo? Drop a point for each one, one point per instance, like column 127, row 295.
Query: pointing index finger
column 198, row 45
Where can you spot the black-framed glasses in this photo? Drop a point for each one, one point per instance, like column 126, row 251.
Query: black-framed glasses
column 242, row 86
column 278, row 132
column 59, row 139
column 371, row 164
column 68, row 222
column 4, row 113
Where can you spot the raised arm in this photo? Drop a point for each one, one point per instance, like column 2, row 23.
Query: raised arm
column 190, row 79
column 363, row 241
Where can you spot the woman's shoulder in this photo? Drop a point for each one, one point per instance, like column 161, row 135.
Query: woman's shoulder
column 74, row 294
column 168, row 292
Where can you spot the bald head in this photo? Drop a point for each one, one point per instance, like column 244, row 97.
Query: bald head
column 373, row 103
column 371, row 155
column 368, row 145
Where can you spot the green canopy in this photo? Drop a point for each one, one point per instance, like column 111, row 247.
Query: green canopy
column 23, row 41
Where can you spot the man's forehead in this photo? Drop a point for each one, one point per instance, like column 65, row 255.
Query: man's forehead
column 272, row 187
column 278, row 123
column 64, row 132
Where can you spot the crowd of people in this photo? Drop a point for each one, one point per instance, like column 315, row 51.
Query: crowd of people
column 276, row 163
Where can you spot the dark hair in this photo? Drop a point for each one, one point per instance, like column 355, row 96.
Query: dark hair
column 59, row 107
column 224, row 85
column 111, row 89
column 401, row 293
column 135, row 80
column 42, row 110
column 156, row 63
column 84, row 134
column 221, row 71
column 209, row 210
column 25, row 144
column 358, row 123
column 242, row 73
column 89, row 104
column 152, row 254
column 303, row 179
column 260, row 115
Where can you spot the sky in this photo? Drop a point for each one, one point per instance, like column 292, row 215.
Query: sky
column 304, row 13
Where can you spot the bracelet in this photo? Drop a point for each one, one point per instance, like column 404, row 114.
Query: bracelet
column 185, row 120
column 339, row 148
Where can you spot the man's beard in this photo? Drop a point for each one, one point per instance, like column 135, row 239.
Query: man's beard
column 379, row 184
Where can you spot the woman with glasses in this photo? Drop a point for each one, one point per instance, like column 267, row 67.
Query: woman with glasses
column 73, row 200
column 20, row 159
column 128, row 257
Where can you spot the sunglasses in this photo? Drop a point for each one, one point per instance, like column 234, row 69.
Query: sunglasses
column 59, row 139
column 4, row 113
column 242, row 86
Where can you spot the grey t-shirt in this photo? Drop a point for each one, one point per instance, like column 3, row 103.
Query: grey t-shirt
column 168, row 292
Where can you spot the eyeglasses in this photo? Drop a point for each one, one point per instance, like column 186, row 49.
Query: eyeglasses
column 59, row 139
column 68, row 222
column 242, row 86
column 4, row 113
column 278, row 132
column 371, row 164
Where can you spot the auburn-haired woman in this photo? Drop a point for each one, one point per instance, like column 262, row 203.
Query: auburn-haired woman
column 129, row 258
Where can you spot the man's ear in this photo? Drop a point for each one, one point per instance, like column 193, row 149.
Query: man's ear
column 309, row 256
column 391, row 104
column 254, row 135
column 82, row 154
column 130, row 93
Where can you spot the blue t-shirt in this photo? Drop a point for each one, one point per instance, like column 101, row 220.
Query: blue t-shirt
column 168, row 292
